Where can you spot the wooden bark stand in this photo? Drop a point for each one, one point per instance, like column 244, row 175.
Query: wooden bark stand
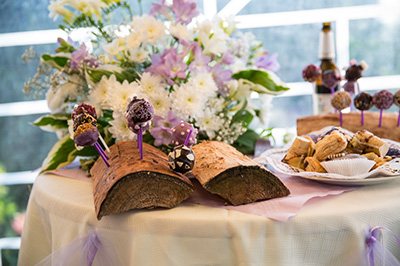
column 131, row 183
column 352, row 122
column 224, row 171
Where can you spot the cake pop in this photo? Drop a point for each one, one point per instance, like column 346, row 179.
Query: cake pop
column 396, row 101
column 180, row 134
column 353, row 73
column 330, row 78
column 182, row 158
column 363, row 102
column 85, row 129
column 311, row 73
column 382, row 100
column 340, row 101
column 138, row 115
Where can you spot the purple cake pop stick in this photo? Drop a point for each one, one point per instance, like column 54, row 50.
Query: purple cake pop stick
column 362, row 117
column 380, row 118
column 101, row 154
column 140, row 139
column 188, row 137
column 341, row 118
column 102, row 151
column 398, row 119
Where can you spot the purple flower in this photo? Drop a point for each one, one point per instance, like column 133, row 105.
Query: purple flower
column 184, row 10
column 169, row 65
column 228, row 58
column 162, row 131
column 188, row 46
column 78, row 56
column 160, row 8
column 221, row 75
column 268, row 62
column 200, row 61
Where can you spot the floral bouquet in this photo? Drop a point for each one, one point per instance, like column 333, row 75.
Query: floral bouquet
column 192, row 69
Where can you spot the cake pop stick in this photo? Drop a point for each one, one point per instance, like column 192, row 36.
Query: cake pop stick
column 104, row 143
column 396, row 101
column 138, row 116
column 188, row 137
column 382, row 100
column 102, row 154
column 340, row 101
column 363, row 102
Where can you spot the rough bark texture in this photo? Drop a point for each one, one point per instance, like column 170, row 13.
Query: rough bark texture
column 131, row 183
column 352, row 122
column 224, row 171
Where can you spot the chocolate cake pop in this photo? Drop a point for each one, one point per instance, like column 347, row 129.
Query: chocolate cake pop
column 85, row 128
column 181, row 159
column 396, row 101
column 138, row 116
column 340, row 101
column 353, row 73
column 330, row 79
column 363, row 101
column 382, row 100
column 180, row 133
column 311, row 73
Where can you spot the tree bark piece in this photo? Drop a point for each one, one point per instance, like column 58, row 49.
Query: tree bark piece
column 352, row 122
column 224, row 171
column 131, row 183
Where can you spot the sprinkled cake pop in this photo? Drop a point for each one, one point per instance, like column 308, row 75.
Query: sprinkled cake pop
column 396, row 101
column 311, row 73
column 382, row 100
column 363, row 102
column 138, row 116
column 340, row 101
column 330, row 79
column 85, row 128
column 180, row 133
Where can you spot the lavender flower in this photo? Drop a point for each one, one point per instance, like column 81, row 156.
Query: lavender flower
column 160, row 8
column 169, row 65
column 221, row 76
column 228, row 58
column 268, row 62
column 78, row 56
column 162, row 131
column 184, row 10
column 200, row 61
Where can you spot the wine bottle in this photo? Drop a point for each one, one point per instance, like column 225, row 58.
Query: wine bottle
column 323, row 94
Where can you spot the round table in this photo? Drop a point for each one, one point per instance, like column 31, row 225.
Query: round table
column 327, row 232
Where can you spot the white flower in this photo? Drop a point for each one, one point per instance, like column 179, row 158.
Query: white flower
column 57, row 98
column 204, row 83
column 187, row 101
column 265, row 111
column 119, row 95
column 154, row 29
column 213, row 38
column 57, row 8
column 113, row 48
column 138, row 55
column 133, row 40
column 151, row 84
column 209, row 122
column 160, row 101
column 181, row 31
column 119, row 128
column 98, row 95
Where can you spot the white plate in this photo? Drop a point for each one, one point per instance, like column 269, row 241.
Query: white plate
column 352, row 182
column 384, row 173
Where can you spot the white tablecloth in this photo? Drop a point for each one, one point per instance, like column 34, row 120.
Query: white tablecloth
column 327, row 232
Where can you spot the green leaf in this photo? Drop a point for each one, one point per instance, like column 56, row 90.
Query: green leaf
column 243, row 116
column 96, row 75
column 260, row 81
column 62, row 154
column 52, row 122
column 245, row 143
column 55, row 61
